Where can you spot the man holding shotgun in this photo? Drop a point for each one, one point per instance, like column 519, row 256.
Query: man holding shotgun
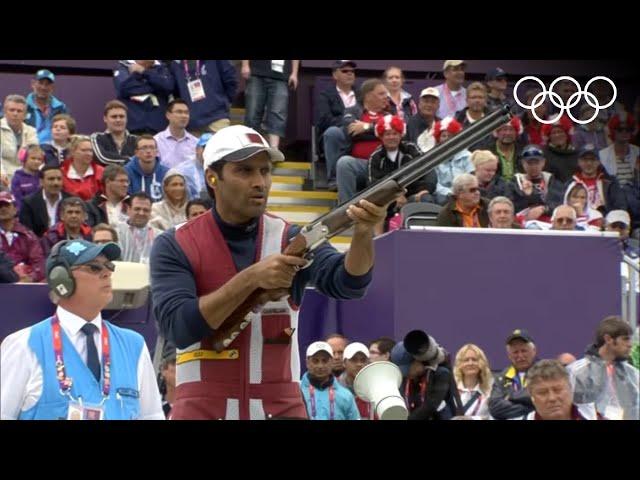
column 204, row 270
column 228, row 298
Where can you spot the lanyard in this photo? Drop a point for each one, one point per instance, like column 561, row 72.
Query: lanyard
column 185, row 64
column 518, row 383
column 141, row 240
column 64, row 381
column 423, row 391
column 477, row 402
column 332, row 401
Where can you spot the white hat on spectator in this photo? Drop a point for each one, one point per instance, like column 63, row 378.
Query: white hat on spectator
column 452, row 63
column 430, row 91
column 621, row 216
column 354, row 348
column 237, row 143
column 316, row 347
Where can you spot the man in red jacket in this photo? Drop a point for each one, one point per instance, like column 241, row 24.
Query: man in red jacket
column 19, row 243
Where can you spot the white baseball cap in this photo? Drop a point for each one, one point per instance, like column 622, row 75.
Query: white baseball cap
column 354, row 348
column 618, row 216
column 237, row 143
column 452, row 63
column 430, row 91
column 316, row 347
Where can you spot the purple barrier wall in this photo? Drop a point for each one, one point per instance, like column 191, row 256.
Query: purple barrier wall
column 457, row 285
column 25, row 305
column 464, row 287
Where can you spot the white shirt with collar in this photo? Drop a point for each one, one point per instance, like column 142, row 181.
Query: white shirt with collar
column 52, row 209
column 348, row 99
column 21, row 374
column 479, row 409
column 74, row 175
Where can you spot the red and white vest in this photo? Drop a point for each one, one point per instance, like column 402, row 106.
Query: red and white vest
column 258, row 375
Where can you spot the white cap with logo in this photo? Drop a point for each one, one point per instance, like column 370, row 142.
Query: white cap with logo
column 237, row 143
column 354, row 348
column 316, row 347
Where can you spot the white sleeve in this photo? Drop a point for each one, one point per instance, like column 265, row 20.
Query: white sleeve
column 20, row 375
column 150, row 400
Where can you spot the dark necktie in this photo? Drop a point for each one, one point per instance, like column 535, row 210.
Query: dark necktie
column 93, row 362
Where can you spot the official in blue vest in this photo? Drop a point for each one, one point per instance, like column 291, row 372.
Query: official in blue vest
column 74, row 365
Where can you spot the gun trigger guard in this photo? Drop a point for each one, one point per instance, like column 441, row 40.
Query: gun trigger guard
column 309, row 257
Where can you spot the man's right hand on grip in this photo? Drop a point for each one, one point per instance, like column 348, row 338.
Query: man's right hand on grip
column 276, row 271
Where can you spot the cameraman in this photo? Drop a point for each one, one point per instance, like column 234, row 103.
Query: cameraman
column 427, row 378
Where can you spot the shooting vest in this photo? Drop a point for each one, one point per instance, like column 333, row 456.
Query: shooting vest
column 258, row 375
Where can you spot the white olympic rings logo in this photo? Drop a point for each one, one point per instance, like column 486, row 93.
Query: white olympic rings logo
column 572, row 102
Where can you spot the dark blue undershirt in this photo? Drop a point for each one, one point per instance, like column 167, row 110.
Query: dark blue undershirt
column 173, row 286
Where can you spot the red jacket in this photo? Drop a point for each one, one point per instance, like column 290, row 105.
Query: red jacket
column 58, row 233
column 86, row 188
column 26, row 249
column 256, row 377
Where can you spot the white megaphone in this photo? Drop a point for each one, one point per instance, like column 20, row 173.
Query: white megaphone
column 378, row 383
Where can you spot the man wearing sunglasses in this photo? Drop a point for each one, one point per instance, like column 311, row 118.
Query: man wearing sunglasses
column 75, row 365
column 465, row 207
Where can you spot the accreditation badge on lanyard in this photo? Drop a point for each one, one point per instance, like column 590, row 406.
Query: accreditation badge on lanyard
column 79, row 410
column 195, row 87
column 82, row 411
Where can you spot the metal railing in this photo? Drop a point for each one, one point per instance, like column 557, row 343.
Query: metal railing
column 630, row 287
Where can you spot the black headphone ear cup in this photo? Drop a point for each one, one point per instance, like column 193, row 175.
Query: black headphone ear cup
column 61, row 282
column 60, row 279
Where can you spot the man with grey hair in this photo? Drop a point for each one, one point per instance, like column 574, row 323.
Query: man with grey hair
column 564, row 218
column 501, row 214
column 509, row 397
column 465, row 207
column 552, row 396
column 14, row 133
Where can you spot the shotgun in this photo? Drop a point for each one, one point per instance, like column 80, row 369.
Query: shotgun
column 314, row 234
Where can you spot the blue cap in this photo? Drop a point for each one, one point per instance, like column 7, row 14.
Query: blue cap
column 495, row 73
column 589, row 149
column 202, row 141
column 519, row 334
column 79, row 252
column 45, row 75
column 401, row 358
column 532, row 152
column 343, row 63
